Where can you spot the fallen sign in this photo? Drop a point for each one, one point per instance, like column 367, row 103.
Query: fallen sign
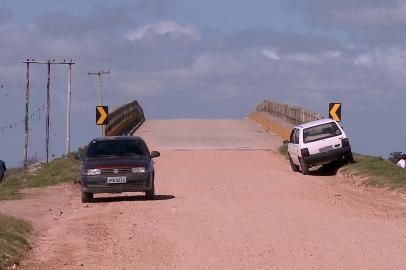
column 102, row 113
column 335, row 111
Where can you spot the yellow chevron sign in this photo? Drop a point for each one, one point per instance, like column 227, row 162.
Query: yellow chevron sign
column 335, row 111
column 102, row 112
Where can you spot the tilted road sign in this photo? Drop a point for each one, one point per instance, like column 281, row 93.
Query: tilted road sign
column 102, row 112
column 335, row 111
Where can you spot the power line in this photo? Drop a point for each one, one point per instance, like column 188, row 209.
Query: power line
column 37, row 112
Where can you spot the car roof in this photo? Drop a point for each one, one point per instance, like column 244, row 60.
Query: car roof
column 315, row 123
column 118, row 138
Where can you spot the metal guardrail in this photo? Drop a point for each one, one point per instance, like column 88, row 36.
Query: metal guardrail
column 292, row 114
column 125, row 119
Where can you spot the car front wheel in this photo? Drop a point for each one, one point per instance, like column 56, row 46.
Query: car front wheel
column 150, row 194
column 86, row 197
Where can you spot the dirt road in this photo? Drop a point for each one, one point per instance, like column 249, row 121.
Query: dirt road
column 226, row 200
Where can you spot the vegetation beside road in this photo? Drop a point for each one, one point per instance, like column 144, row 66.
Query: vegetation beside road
column 13, row 231
column 13, row 244
column 283, row 150
column 378, row 172
column 58, row 171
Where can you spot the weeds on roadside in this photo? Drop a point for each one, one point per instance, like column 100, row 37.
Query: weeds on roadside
column 283, row 150
column 58, row 171
column 377, row 170
column 12, row 240
column 380, row 172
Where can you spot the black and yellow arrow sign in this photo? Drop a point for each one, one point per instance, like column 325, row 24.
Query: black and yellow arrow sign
column 102, row 112
column 335, row 111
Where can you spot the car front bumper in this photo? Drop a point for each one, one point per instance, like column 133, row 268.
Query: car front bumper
column 327, row 157
column 134, row 183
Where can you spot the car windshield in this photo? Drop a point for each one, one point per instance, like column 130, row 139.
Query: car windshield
column 115, row 148
column 320, row 132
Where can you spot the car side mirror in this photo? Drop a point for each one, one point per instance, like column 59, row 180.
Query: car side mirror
column 286, row 142
column 155, row 154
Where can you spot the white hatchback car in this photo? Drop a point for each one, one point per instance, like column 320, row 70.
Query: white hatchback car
column 317, row 143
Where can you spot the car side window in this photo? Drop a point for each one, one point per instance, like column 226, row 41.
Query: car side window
column 296, row 139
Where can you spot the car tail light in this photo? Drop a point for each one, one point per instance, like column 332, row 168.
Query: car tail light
column 305, row 152
column 345, row 142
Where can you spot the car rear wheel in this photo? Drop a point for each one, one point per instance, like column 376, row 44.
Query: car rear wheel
column 86, row 197
column 304, row 167
column 294, row 167
column 150, row 194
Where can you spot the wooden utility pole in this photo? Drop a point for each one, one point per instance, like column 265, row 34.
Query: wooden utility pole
column 99, row 86
column 27, row 103
column 68, row 113
column 48, row 113
column 48, row 102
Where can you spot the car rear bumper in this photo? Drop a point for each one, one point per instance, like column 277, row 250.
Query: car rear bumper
column 327, row 157
column 98, row 183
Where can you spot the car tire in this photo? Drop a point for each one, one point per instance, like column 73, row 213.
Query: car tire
column 86, row 197
column 294, row 167
column 304, row 167
column 150, row 194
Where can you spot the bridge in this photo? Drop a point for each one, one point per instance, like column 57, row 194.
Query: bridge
column 228, row 200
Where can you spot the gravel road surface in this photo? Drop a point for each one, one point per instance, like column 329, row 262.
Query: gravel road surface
column 226, row 200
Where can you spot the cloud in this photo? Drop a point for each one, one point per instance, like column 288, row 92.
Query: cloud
column 271, row 54
column 179, row 70
column 163, row 28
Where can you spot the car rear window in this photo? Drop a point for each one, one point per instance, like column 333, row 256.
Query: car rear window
column 115, row 148
column 320, row 132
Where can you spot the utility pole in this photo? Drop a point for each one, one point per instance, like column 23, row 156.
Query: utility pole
column 27, row 101
column 99, row 74
column 68, row 113
column 48, row 112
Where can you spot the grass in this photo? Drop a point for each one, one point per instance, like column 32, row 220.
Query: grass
column 58, row 171
column 283, row 150
column 377, row 171
column 12, row 240
column 13, row 231
column 380, row 172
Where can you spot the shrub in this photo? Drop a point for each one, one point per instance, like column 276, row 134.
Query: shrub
column 395, row 156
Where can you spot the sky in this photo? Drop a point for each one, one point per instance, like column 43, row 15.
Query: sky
column 204, row 59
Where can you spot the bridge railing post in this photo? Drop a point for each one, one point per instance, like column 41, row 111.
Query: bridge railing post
column 293, row 114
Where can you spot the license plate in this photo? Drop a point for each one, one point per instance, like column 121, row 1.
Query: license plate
column 326, row 149
column 116, row 180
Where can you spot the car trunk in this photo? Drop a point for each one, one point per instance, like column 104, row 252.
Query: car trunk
column 324, row 145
